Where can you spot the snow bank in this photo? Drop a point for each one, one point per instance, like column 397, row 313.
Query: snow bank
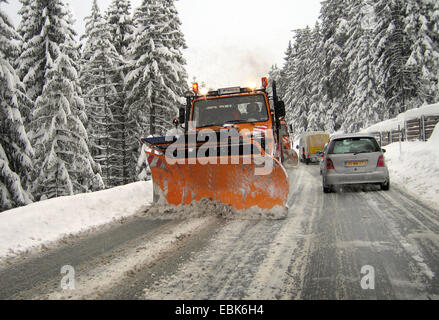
column 385, row 126
column 416, row 168
column 430, row 110
column 392, row 124
column 47, row 221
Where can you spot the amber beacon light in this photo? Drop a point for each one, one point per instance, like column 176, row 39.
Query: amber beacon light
column 195, row 88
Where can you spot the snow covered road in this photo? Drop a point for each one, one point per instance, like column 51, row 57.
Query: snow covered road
column 318, row 252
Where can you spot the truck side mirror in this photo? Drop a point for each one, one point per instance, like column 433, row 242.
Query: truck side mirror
column 182, row 115
column 280, row 109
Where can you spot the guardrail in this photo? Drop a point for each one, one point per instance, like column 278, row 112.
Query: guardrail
column 419, row 129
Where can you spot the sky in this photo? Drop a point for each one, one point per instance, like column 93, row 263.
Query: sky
column 230, row 42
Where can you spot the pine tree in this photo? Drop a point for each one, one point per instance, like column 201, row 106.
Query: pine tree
column 396, row 79
column 275, row 75
column 48, row 66
column 25, row 30
column 280, row 75
column 358, row 72
column 285, row 75
column 99, row 76
column 335, row 74
column 40, row 28
column 297, row 95
column 288, row 73
column 121, row 28
column 318, row 106
column 15, row 149
column 178, row 43
column 422, row 28
column 366, row 105
column 60, row 138
column 156, row 77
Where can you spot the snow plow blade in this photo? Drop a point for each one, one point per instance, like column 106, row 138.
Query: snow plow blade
column 243, row 183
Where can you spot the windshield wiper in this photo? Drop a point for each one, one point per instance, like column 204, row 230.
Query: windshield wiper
column 210, row 125
column 232, row 122
column 225, row 123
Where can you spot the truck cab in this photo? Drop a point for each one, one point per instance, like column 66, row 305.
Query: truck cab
column 249, row 111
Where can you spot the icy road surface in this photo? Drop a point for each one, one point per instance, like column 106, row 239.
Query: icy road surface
column 316, row 252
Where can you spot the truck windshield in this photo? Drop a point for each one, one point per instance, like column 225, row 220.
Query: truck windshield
column 239, row 109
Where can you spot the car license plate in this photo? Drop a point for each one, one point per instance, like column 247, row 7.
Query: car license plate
column 356, row 163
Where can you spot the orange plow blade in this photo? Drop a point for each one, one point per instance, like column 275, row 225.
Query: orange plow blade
column 242, row 186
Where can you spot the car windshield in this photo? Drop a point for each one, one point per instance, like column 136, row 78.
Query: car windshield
column 354, row 145
column 239, row 109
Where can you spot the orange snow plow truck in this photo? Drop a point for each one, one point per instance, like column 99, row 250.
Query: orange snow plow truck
column 228, row 150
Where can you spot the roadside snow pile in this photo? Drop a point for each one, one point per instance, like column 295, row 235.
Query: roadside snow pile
column 197, row 209
column 45, row 222
column 416, row 168
column 208, row 208
column 392, row 124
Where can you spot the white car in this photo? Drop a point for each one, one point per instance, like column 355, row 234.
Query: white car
column 354, row 159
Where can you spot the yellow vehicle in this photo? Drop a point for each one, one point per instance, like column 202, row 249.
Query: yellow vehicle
column 311, row 144
column 230, row 151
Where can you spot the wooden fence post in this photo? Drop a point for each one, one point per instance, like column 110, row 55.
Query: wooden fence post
column 405, row 130
column 423, row 128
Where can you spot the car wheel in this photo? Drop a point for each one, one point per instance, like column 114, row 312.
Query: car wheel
column 385, row 186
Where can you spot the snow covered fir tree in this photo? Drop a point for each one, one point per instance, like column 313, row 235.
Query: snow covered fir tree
column 48, row 66
column 157, row 78
column 65, row 164
column 16, row 152
column 101, row 65
column 72, row 114
column 363, row 62
column 121, row 28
